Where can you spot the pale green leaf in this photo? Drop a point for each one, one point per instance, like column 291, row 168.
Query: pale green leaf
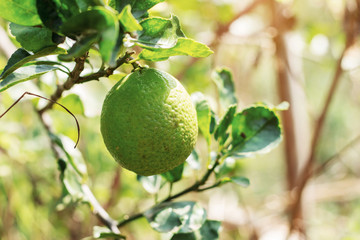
column 128, row 21
column 223, row 79
column 73, row 103
column 22, row 12
column 159, row 33
column 24, row 74
column 151, row 184
column 176, row 217
column 241, row 181
column 20, row 57
column 193, row 160
column 184, row 46
column 203, row 114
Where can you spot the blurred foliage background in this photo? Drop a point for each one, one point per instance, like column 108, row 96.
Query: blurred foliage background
column 243, row 35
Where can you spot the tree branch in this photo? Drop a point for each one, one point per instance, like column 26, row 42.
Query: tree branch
column 68, row 84
column 74, row 78
column 307, row 171
column 193, row 188
column 108, row 71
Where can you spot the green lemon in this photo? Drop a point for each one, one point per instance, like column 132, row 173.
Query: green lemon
column 148, row 122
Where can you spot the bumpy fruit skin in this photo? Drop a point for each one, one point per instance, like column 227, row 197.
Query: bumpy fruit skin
column 148, row 122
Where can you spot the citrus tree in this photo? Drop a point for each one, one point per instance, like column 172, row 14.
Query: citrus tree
column 149, row 123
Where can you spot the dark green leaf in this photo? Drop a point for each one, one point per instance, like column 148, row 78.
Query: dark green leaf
column 139, row 7
column 99, row 21
column 208, row 231
column 254, row 130
column 179, row 217
column 86, row 4
column 16, row 57
column 213, row 122
column 159, row 33
column 203, row 114
column 221, row 131
column 184, row 46
column 23, row 74
column 225, row 85
column 193, row 160
column 175, row 174
column 53, row 13
column 80, row 47
column 20, row 57
column 22, row 12
column 32, row 38
column 151, row 184
column 128, row 21
column 104, row 232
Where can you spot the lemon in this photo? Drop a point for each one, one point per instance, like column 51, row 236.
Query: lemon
column 148, row 122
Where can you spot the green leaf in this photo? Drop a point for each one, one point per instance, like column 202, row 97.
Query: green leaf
column 75, row 172
column 22, row 12
column 16, row 57
column 203, row 114
column 176, row 217
column 128, row 21
column 53, row 13
column 151, row 184
column 221, row 131
column 21, row 56
column 74, row 156
column 223, row 79
column 80, row 47
column 254, row 130
column 24, row 74
column 99, row 21
column 138, row 7
column 159, row 33
column 32, row 38
column 193, row 160
column 225, row 167
column 175, row 174
column 241, row 181
column 184, row 46
column 208, row 231
column 86, row 4
column 73, row 103
column 104, row 232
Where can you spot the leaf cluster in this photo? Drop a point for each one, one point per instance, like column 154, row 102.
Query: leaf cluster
column 69, row 29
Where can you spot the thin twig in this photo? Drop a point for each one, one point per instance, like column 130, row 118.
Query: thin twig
column 99, row 211
column 220, row 32
column 307, row 171
column 69, row 83
column 52, row 101
column 193, row 188
column 108, row 71
column 326, row 163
